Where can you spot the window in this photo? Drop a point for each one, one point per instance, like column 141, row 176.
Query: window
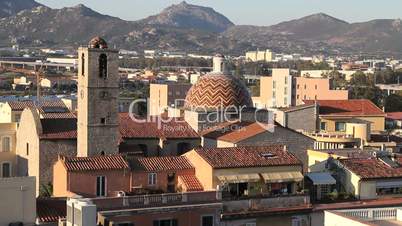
column 273, row 84
column 17, row 117
column 103, row 66
column 83, row 64
column 152, row 179
column 286, row 91
column 27, row 149
column 103, row 121
column 323, row 126
column 340, row 126
column 100, row 186
column 298, row 96
column 207, row 221
column 305, row 86
column 6, row 169
column 285, row 101
column 298, row 86
column 5, row 144
column 169, row 222
column 273, row 94
column 286, row 80
column 296, row 221
column 315, row 86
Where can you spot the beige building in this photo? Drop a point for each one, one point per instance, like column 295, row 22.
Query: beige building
column 164, row 96
column 8, row 157
column 283, row 90
column 17, row 201
column 254, row 56
column 317, row 89
column 275, row 90
column 371, row 178
column 39, row 141
column 334, row 114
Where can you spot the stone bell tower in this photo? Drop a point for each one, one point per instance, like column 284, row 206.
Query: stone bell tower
column 98, row 92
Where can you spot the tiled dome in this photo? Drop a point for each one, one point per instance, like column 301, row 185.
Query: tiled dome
column 217, row 91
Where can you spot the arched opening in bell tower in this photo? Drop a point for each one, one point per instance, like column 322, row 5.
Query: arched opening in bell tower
column 103, row 66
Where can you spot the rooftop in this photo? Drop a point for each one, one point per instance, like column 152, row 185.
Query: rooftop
column 167, row 128
column 361, row 107
column 156, row 128
column 373, row 168
column 106, row 162
column 394, row 115
column 50, row 210
column 235, row 132
column 155, row 164
column 251, row 156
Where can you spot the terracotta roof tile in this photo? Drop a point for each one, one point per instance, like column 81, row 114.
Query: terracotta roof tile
column 51, row 210
column 191, row 182
column 251, row 156
column 156, row 164
column 22, row 104
column 394, row 115
column 156, row 128
column 107, row 162
column 64, row 128
column 372, row 168
column 347, row 107
column 243, row 133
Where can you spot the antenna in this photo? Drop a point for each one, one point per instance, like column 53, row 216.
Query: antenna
column 39, row 78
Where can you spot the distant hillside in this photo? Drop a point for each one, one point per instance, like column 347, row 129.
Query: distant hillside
column 12, row 7
column 185, row 27
column 184, row 15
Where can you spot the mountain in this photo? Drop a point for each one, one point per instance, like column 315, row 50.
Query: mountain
column 314, row 26
column 190, row 28
column 12, row 7
column 321, row 33
column 188, row 16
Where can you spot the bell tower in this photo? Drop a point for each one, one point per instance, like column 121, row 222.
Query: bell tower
column 98, row 92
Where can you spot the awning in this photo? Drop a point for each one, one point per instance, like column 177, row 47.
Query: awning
column 282, row 177
column 321, row 178
column 389, row 184
column 239, row 178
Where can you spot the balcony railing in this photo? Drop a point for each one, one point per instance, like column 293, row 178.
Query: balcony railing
column 205, row 197
column 142, row 201
column 261, row 203
column 371, row 214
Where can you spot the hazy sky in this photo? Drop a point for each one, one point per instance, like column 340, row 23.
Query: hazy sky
column 256, row 12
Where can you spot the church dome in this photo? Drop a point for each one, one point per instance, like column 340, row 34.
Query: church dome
column 217, row 91
column 98, row 43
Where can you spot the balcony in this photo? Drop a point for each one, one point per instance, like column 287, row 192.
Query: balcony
column 332, row 137
column 230, row 205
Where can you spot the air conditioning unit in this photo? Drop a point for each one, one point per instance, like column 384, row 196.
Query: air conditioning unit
column 80, row 212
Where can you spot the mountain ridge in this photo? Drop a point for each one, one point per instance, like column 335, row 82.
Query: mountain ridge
column 318, row 33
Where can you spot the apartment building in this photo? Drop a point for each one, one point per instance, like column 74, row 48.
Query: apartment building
column 254, row 56
column 163, row 96
column 284, row 90
column 275, row 90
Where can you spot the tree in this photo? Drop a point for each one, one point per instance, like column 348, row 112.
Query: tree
column 393, row 103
